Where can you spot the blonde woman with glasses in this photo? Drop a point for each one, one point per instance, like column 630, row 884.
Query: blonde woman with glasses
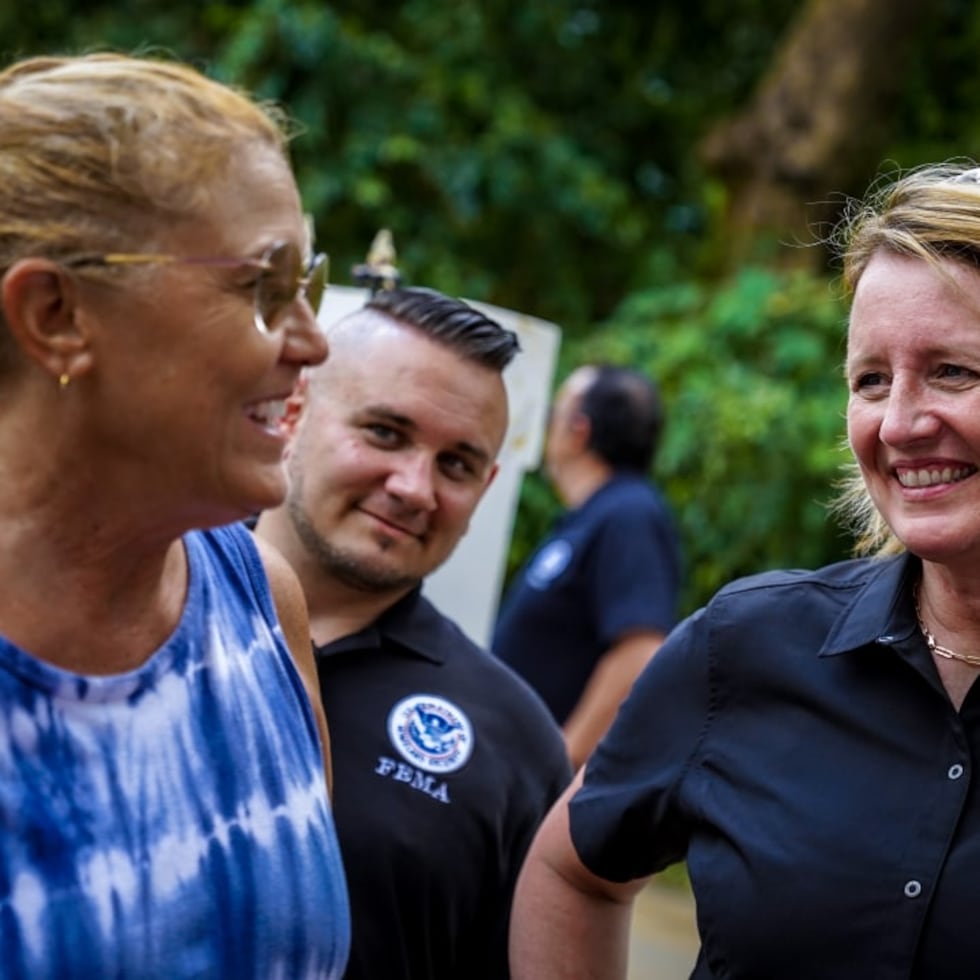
column 163, row 774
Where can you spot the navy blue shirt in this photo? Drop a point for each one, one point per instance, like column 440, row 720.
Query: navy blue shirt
column 794, row 742
column 444, row 764
column 609, row 568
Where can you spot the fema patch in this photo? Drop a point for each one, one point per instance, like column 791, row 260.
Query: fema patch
column 431, row 733
column 550, row 562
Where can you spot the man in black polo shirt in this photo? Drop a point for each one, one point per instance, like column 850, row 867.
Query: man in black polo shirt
column 598, row 597
column 444, row 760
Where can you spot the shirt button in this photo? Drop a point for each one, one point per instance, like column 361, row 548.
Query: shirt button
column 955, row 771
column 912, row 889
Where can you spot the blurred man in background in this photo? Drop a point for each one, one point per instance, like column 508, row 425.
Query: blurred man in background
column 598, row 597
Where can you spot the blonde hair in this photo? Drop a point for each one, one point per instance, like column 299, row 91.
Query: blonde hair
column 94, row 147
column 931, row 213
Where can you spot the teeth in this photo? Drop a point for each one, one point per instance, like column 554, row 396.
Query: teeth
column 269, row 413
column 932, row 477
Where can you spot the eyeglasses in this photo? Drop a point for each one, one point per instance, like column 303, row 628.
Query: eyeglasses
column 283, row 275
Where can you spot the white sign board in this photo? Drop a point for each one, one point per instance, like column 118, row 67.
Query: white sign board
column 467, row 587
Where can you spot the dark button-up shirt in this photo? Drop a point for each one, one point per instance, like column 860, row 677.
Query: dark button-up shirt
column 793, row 741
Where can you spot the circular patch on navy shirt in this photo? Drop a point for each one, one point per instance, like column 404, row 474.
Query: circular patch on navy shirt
column 550, row 562
column 431, row 733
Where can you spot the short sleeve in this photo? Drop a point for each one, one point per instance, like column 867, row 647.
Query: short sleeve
column 632, row 817
column 636, row 575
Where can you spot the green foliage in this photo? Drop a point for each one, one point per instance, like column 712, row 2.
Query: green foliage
column 542, row 156
column 750, row 372
column 937, row 119
column 522, row 154
column 676, row 877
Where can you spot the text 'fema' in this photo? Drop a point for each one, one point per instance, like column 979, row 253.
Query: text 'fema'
column 421, row 781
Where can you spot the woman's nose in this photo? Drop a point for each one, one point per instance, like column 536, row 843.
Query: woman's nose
column 305, row 341
column 908, row 416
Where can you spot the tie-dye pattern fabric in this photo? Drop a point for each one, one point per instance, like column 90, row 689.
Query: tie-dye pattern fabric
column 172, row 821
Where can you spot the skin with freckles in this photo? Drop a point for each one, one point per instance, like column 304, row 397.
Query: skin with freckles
column 914, row 408
column 166, row 422
column 197, row 373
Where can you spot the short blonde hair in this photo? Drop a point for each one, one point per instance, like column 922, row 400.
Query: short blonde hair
column 931, row 213
column 93, row 147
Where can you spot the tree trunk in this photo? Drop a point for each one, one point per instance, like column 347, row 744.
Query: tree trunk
column 815, row 127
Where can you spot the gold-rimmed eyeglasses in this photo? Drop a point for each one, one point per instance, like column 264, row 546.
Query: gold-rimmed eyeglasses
column 284, row 274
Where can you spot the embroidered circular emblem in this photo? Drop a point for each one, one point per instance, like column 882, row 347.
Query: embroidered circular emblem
column 431, row 733
column 549, row 564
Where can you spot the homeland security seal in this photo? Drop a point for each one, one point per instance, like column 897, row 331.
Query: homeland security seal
column 431, row 733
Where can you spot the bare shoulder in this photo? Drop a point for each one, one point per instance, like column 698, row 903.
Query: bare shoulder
column 287, row 594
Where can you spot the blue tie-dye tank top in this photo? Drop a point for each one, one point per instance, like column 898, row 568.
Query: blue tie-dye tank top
column 172, row 821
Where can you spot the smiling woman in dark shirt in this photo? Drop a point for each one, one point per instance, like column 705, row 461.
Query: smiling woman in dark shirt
column 806, row 741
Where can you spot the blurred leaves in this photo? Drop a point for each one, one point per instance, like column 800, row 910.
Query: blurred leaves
column 750, row 373
column 523, row 154
column 540, row 156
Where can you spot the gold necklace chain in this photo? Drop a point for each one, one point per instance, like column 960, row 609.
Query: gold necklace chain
column 931, row 642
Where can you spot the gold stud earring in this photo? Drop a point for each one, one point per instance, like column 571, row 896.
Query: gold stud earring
column 64, row 380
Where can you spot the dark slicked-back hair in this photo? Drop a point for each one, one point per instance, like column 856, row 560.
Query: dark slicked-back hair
column 449, row 322
column 626, row 417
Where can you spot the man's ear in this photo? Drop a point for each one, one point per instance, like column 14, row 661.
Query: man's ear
column 494, row 470
column 40, row 307
column 295, row 404
column 580, row 429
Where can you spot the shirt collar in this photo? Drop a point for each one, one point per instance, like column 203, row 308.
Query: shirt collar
column 618, row 479
column 411, row 624
column 881, row 612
